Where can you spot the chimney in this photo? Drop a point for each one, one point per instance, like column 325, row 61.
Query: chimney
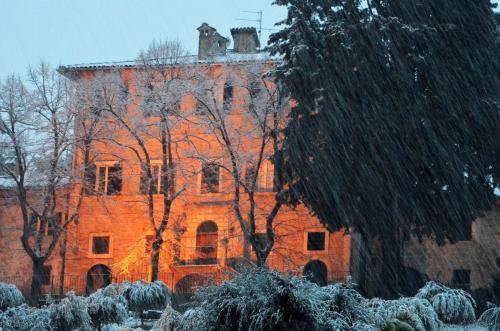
column 246, row 40
column 211, row 43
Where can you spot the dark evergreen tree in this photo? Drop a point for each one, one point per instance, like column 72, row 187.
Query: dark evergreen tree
column 396, row 128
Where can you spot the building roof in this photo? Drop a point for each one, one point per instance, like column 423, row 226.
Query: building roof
column 230, row 57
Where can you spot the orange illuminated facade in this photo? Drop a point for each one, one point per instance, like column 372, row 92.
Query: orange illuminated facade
column 203, row 241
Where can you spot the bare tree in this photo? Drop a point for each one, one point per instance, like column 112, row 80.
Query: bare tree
column 36, row 132
column 156, row 94
column 249, row 141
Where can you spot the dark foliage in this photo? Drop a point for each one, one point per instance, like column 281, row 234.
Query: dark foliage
column 396, row 125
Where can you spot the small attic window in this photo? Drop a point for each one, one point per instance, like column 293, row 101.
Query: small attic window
column 219, row 43
column 205, row 32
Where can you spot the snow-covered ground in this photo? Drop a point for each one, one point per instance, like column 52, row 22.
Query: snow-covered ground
column 258, row 300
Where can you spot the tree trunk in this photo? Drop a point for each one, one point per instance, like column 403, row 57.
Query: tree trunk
column 63, row 263
column 155, row 258
column 261, row 258
column 36, row 279
column 392, row 266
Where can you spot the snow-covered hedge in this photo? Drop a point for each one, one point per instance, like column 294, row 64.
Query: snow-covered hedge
column 258, row 300
column 69, row 314
column 106, row 307
column 415, row 312
column 143, row 296
column 10, row 296
column 491, row 318
column 25, row 318
column 453, row 306
column 267, row 300
column 263, row 300
column 169, row 320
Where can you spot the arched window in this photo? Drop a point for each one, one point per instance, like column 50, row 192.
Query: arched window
column 98, row 276
column 316, row 272
column 206, row 243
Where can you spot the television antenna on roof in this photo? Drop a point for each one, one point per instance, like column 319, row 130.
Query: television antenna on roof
column 258, row 20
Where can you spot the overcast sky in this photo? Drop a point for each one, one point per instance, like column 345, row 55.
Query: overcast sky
column 82, row 31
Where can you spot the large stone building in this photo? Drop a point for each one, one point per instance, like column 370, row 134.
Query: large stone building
column 203, row 241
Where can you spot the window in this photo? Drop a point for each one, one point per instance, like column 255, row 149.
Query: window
column 107, row 178
column 210, row 178
column 315, row 241
column 156, row 180
column 54, row 224
column 45, row 275
column 228, row 96
column 267, row 178
column 100, row 245
column 461, row 278
column 250, row 173
column 206, row 243
column 254, row 91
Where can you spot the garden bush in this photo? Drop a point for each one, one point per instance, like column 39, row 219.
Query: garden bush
column 143, row 296
column 25, row 318
column 70, row 314
column 452, row 306
column 169, row 320
column 10, row 296
column 106, row 307
column 418, row 313
column 263, row 300
column 491, row 318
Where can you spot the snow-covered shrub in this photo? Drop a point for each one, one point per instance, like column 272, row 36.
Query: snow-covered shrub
column 491, row 318
column 143, row 296
column 104, row 309
column 69, row 314
column 361, row 326
column 395, row 324
column 454, row 307
column 10, row 296
column 417, row 313
column 431, row 289
column 115, row 289
column 264, row 300
column 168, row 321
column 340, row 299
column 195, row 319
column 25, row 318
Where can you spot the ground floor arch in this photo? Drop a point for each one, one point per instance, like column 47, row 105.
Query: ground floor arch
column 98, row 276
column 316, row 272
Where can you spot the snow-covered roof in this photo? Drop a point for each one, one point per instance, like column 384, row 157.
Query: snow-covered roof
column 230, row 57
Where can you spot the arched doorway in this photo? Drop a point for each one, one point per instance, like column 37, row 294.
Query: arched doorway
column 316, row 272
column 206, row 243
column 98, row 276
column 186, row 287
